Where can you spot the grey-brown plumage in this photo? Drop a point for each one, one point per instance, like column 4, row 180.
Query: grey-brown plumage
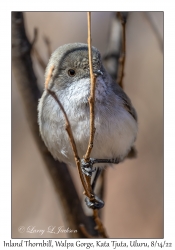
column 115, row 117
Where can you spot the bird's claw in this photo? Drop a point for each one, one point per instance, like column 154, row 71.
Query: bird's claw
column 88, row 171
column 87, row 167
column 97, row 203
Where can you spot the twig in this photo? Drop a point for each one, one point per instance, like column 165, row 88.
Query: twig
column 123, row 53
column 35, row 37
column 112, row 53
column 154, row 29
column 72, row 142
column 101, row 188
column 48, row 45
column 49, row 76
column 99, row 224
column 39, row 59
column 69, row 132
column 35, row 51
column 84, row 231
column 92, row 96
column 103, row 177
column 91, row 105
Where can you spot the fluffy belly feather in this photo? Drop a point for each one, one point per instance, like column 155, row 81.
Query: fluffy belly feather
column 115, row 134
column 116, row 129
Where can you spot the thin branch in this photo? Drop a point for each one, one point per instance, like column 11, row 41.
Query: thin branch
column 39, row 59
column 35, row 51
column 35, row 37
column 72, row 142
column 84, row 231
column 48, row 45
column 102, row 179
column 69, row 132
column 112, row 54
column 25, row 77
column 49, row 76
column 91, row 105
column 123, row 52
column 101, row 188
column 99, row 224
column 154, row 29
column 92, row 96
column 67, row 126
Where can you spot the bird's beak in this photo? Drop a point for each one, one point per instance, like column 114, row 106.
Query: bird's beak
column 98, row 73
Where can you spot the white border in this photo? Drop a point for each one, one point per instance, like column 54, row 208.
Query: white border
column 5, row 94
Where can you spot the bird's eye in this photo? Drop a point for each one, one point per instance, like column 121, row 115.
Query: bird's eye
column 71, row 72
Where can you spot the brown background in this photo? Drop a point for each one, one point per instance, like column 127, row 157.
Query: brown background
column 134, row 188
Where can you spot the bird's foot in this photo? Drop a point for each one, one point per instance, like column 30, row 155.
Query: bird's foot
column 95, row 203
column 87, row 167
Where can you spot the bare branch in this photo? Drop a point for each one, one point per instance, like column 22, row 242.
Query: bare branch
column 101, row 189
column 112, row 54
column 154, row 29
column 39, row 59
column 84, row 231
column 92, row 96
column 69, row 132
column 115, row 52
column 35, row 51
column 99, row 224
column 35, row 37
column 123, row 51
column 49, row 76
column 48, row 45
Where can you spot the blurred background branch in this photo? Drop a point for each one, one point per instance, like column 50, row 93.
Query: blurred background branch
column 154, row 28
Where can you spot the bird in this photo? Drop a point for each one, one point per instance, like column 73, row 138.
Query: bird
column 116, row 124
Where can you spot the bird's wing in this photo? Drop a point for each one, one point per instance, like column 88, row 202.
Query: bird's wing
column 128, row 105
column 125, row 99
